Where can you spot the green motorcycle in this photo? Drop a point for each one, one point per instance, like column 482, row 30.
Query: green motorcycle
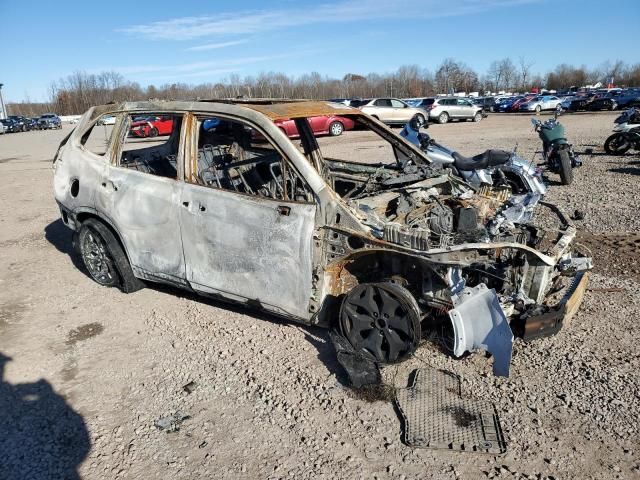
column 557, row 152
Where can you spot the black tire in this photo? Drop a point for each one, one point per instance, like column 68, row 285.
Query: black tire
column 381, row 321
column 538, row 108
column 443, row 118
column 336, row 129
column 477, row 117
column 153, row 132
column 104, row 258
column 617, row 144
column 613, row 106
column 566, row 168
column 420, row 118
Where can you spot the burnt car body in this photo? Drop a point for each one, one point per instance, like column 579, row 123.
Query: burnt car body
column 381, row 250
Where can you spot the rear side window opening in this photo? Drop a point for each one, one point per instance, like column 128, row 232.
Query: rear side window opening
column 151, row 143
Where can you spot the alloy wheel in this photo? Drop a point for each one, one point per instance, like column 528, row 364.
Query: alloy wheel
column 97, row 259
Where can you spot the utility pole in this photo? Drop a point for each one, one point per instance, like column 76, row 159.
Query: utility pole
column 3, row 113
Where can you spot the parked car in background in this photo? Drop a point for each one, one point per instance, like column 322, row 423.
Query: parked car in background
column 515, row 106
column 23, row 123
column 49, row 121
column 540, row 103
column 151, row 126
column 421, row 102
column 628, row 98
column 107, row 120
column 604, row 101
column 505, row 104
column 577, row 103
column 3, row 128
column 33, row 123
column 10, row 126
column 320, row 125
column 392, row 111
column 453, row 108
column 488, row 104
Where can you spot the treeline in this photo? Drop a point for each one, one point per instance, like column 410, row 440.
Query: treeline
column 76, row 93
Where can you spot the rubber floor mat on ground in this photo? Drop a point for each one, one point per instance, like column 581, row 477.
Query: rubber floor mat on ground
column 436, row 415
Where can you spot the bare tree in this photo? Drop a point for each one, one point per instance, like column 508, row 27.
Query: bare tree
column 525, row 72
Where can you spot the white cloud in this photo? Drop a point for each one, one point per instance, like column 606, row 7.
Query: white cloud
column 215, row 46
column 254, row 21
column 195, row 69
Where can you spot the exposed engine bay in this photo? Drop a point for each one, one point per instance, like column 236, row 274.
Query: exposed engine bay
column 489, row 269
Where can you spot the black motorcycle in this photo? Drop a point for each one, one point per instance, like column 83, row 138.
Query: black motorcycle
column 557, row 152
column 626, row 134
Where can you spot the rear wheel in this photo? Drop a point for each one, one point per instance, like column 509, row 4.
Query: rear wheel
column 104, row 258
column 443, row 118
column 566, row 169
column 336, row 129
column 381, row 321
column 617, row 144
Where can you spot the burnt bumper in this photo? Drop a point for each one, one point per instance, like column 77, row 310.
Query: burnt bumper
column 551, row 321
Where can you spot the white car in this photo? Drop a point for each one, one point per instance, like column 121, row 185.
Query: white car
column 107, row 120
column 539, row 103
column 392, row 111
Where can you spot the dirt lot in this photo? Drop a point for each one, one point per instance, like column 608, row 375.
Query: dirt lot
column 85, row 372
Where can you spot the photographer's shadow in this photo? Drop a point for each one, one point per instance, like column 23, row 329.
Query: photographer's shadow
column 41, row 436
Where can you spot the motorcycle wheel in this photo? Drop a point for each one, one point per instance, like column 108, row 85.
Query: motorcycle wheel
column 566, row 170
column 617, row 144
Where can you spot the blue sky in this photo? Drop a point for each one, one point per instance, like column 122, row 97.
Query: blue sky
column 166, row 41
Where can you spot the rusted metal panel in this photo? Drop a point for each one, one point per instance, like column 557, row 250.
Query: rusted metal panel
column 279, row 111
column 552, row 321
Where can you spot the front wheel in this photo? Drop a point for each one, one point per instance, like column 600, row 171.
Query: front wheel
column 336, row 129
column 153, row 132
column 566, row 169
column 477, row 117
column 538, row 108
column 381, row 321
column 617, row 144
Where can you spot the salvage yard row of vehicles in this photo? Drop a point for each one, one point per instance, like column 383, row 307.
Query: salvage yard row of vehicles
column 591, row 101
column 17, row 123
column 359, row 232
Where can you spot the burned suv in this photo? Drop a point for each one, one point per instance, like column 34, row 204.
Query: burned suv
column 357, row 232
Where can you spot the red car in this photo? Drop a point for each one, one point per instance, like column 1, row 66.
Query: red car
column 515, row 106
column 332, row 125
column 151, row 126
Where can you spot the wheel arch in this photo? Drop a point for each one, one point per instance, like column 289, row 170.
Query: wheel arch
column 84, row 214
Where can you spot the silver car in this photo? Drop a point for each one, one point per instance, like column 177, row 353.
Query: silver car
column 443, row 109
column 358, row 232
column 540, row 103
column 392, row 111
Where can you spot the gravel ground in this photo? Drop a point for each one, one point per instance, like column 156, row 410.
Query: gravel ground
column 86, row 372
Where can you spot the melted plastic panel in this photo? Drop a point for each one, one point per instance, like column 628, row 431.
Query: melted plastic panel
column 437, row 416
column 480, row 323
